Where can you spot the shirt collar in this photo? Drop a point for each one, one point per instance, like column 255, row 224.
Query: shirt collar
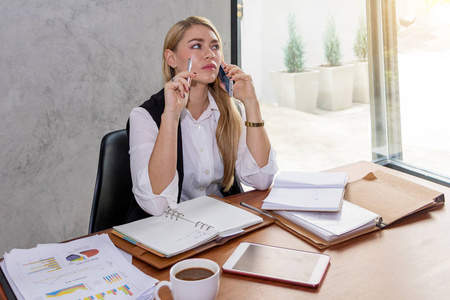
column 211, row 109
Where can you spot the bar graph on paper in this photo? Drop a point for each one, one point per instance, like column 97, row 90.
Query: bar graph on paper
column 113, row 278
column 90, row 268
column 44, row 265
column 49, row 280
column 123, row 290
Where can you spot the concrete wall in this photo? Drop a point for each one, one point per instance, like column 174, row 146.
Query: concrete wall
column 71, row 71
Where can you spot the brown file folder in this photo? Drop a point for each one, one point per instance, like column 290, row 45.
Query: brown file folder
column 387, row 195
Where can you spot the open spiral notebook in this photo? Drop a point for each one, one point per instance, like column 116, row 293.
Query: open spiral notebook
column 193, row 223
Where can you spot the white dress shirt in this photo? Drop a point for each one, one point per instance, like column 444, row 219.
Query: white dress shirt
column 202, row 164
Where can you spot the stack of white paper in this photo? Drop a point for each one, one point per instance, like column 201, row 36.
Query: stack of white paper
column 88, row 268
column 307, row 191
column 333, row 226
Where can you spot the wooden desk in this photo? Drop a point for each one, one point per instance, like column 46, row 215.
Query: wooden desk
column 408, row 260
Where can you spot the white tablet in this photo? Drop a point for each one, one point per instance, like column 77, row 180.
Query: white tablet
column 280, row 264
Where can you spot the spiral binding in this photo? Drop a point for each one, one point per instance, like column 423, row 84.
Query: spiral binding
column 203, row 225
column 173, row 214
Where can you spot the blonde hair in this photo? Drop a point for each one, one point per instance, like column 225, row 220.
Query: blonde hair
column 229, row 125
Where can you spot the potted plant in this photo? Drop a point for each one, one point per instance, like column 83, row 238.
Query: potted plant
column 336, row 80
column 297, row 87
column 361, row 75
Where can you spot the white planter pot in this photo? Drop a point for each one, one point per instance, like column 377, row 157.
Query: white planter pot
column 336, row 87
column 296, row 90
column 361, row 82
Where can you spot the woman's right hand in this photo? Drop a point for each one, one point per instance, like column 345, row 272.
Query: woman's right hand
column 176, row 93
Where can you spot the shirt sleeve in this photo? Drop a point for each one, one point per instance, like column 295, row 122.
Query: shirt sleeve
column 247, row 170
column 143, row 133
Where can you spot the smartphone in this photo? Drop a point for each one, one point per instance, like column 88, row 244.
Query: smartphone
column 278, row 264
column 223, row 78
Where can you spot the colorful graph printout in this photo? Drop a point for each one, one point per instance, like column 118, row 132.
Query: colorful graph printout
column 126, row 290
column 74, row 257
column 112, row 278
column 66, row 291
column 90, row 253
column 50, row 271
column 82, row 255
column 100, row 296
column 44, row 265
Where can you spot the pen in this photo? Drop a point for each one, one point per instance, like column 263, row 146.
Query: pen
column 189, row 69
column 258, row 210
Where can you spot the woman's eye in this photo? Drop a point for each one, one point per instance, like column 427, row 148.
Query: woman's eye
column 196, row 46
column 215, row 47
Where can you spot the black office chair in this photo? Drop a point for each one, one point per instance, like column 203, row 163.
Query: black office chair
column 112, row 194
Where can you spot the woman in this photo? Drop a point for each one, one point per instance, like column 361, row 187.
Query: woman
column 189, row 139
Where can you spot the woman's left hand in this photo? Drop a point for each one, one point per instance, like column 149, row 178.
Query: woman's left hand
column 243, row 88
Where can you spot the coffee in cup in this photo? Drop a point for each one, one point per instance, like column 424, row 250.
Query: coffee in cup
column 191, row 274
column 192, row 279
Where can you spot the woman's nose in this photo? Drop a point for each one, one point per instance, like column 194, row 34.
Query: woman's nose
column 209, row 53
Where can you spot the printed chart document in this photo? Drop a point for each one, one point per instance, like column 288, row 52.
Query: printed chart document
column 88, row 268
column 193, row 223
column 307, row 191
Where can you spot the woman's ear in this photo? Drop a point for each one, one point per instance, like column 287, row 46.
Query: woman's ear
column 170, row 58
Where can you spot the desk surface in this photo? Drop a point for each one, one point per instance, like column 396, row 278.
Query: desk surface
column 407, row 260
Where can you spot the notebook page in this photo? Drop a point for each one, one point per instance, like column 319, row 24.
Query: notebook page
column 223, row 216
column 313, row 199
column 153, row 232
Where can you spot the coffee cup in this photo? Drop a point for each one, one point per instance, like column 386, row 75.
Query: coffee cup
column 192, row 279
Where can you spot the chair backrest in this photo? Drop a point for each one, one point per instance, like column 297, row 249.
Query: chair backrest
column 113, row 187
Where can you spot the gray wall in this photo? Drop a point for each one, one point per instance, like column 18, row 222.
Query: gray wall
column 71, row 71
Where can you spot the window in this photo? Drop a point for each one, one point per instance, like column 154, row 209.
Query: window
column 305, row 139
column 411, row 97
column 397, row 112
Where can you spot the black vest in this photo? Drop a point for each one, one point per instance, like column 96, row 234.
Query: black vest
column 155, row 107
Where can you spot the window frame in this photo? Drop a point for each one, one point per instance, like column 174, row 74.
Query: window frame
column 236, row 32
column 384, row 91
